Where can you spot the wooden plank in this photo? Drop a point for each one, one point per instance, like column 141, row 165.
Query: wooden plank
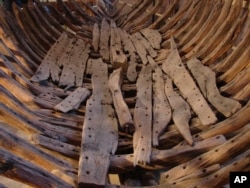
column 140, row 49
column 206, row 80
column 100, row 131
column 153, row 36
column 96, row 37
column 129, row 49
column 122, row 111
column 173, row 66
column 142, row 140
column 161, row 109
column 73, row 101
column 118, row 58
column 181, row 111
column 104, row 40
column 81, row 64
column 43, row 72
column 68, row 74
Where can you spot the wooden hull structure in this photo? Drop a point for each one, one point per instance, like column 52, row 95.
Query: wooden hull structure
column 150, row 93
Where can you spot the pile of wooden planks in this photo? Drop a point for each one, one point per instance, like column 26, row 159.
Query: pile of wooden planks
column 154, row 92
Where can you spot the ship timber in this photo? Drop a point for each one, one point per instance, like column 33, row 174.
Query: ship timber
column 124, row 94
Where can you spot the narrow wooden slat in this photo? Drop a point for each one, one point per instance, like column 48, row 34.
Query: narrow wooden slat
column 129, row 48
column 117, row 57
column 162, row 113
column 181, row 111
column 104, row 40
column 96, row 37
column 173, row 66
column 100, row 131
column 140, row 48
column 123, row 113
column 142, row 139
column 81, row 64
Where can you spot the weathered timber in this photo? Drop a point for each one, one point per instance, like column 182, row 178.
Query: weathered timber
column 169, row 156
column 135, row 13
column 215, row 156
column 161, row 109
column 153, row 37
column 142, row 140
column 73, row 101
column 146, row 44
column 117, row 57
column 140, row 48
column 104, row 40
column 129, row 48
column 235, row 122
column 206, row 26
column 173, row 66
column 56, row 145
column 206, row 80
column 164, row 16
column 69, row 65
column 142, row 20
column 220, row 177
column 47, row 100
column 239, row 81
column 185, row 20
column 96, row 37
column 81, row 63
column 237, row 66
column 123, row 113
column 181, row 111
column 190, row 34
column 43, row 72
column 243, row 94
column 100, row 131
column 22, row 170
